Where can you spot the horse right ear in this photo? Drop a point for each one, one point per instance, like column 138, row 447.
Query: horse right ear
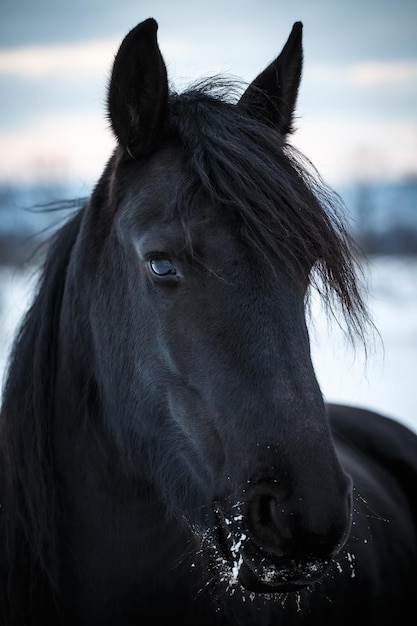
column 138, row 91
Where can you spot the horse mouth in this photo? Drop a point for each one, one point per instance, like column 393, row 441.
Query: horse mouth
column 244, row 563
column 267, row 576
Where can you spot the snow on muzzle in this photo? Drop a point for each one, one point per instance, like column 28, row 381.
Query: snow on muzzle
column 266, row 547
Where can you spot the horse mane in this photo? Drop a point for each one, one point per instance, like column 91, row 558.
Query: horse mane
column 27, row 496
column 286, row 210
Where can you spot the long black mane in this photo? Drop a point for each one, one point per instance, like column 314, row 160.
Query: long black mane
column 27, row 515
column 285, row 210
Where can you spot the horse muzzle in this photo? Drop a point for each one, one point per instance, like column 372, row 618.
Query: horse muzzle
column 271, row 546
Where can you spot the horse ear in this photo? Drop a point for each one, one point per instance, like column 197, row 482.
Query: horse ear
column 138, row 91
column 273, row 94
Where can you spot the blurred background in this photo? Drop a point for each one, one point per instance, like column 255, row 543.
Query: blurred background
column 356, row 121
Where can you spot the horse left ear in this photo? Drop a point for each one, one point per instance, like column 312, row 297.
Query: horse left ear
column 138, row 91
column 273, row 94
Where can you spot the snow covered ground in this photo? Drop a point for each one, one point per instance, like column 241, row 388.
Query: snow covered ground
column 385, row 380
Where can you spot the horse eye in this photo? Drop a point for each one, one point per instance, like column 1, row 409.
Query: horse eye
column 162, row 267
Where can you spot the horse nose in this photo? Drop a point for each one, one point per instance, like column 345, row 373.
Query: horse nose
column 289, row 526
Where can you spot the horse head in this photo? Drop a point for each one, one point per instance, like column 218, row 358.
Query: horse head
column 217, row 401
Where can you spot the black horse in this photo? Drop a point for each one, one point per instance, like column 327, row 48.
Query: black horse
column 166, row 454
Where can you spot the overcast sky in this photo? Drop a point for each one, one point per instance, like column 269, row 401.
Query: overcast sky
column 357, row 110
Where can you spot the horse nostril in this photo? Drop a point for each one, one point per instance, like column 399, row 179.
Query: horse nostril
column 266, row 519
column 271, row 512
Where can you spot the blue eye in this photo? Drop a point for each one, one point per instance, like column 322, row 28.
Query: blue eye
column 162, row 267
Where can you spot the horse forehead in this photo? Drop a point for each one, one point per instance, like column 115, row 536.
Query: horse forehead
column 155, row 202
column 154, row 182
column 207, row 236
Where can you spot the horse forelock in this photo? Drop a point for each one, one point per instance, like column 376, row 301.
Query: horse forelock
column 284, row 208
